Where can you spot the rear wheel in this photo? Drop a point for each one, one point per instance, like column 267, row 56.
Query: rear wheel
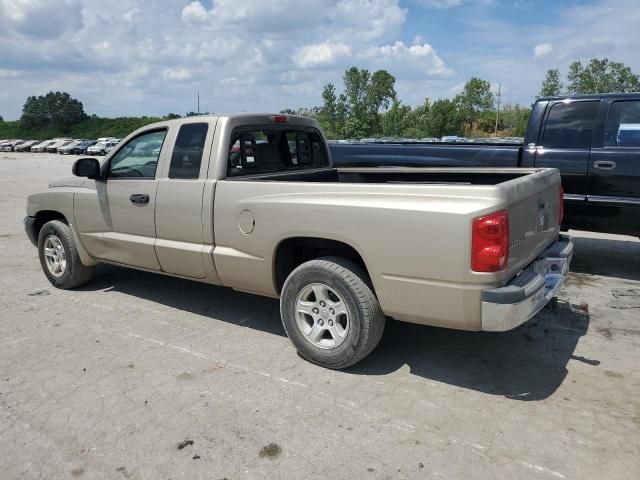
column 330, row 312
column 59, row 256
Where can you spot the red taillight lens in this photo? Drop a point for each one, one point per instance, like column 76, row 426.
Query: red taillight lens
column 279, row 119
column 561, row 206
column 490, row 242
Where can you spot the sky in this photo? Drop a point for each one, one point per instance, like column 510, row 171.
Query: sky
column 151, row 57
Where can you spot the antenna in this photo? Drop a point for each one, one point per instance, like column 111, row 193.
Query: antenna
column 495, row 134
column 198, row 102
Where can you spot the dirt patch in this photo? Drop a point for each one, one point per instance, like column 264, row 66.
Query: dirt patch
column 611, row 374
column 185, row 376
column 185, row 443
column 605, row 332
column 270, row 451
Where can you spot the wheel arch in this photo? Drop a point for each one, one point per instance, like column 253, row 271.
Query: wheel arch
column 294, row 251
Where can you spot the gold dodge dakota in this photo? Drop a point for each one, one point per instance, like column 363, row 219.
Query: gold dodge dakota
column 252, row 202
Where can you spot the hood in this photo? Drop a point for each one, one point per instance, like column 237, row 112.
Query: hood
column 67, row 182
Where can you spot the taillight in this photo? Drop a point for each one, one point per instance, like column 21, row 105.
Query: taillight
column 490, row 242
column 561, row 206
column 279, row 119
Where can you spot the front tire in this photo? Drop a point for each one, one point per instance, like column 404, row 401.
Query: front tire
column 330, row 312
column 59, row 256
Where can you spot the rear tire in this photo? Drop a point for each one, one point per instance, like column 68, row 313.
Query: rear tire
column 330, row 312
column 59, row 257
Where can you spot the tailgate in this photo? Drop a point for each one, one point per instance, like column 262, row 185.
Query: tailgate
column 533, row 204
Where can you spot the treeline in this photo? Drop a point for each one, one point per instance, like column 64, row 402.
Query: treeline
column 366, row 106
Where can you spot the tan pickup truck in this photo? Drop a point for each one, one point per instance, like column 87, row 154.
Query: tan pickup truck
column 252, row 202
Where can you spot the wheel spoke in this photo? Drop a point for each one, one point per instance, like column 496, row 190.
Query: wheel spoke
column 315, row 333
column 50, row 252
column 339, row 308
column 306, row 307
column 336, row 333
column 320, row 292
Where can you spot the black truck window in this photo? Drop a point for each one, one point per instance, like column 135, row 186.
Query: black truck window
column 187, row 152
column 570, row 125
column 623, row 124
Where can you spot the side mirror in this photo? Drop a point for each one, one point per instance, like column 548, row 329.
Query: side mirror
column 86, row 167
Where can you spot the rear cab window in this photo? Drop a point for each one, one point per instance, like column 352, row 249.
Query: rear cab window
column 570, row 124
column 186, row 158
column 623, row 124
column 271, row 149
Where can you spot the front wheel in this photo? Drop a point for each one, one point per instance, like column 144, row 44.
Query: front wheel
column 59, row 256
column 330, row 312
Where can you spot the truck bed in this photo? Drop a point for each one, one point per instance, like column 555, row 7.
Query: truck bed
column 398, row 175
column 425, row 154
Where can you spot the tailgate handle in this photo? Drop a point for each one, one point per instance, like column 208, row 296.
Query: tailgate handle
column 605, row 164
column 139, row 198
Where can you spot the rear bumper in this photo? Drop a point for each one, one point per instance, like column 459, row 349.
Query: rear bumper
column 507, row 307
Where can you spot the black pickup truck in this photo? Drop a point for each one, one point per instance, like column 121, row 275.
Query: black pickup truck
column 594, row 140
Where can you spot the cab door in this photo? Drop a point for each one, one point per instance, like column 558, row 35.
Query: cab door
column 184, row 213
column 614, row 171
column 115, row 216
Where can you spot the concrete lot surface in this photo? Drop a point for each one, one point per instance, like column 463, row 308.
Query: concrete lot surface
column 137, row 376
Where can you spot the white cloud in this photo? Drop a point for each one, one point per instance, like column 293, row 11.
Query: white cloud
column 174, row 74
column 320, row 54
column 421, row 58
column 542, row 50
column 194, row 13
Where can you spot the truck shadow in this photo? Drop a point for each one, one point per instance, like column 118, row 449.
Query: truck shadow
column 606, row 257
column 528, row 363
column 237, row 308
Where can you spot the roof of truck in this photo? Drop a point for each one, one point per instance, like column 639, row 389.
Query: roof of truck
column 592, row 96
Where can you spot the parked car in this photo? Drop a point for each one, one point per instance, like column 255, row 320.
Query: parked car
column 111, row 144
column 53, row 148
column 78, row 146
column 26, row 146
column 42, row 146
column 101, row 148
column 9, row 146
column 473, row 249
column 594, row 140
column 81, row 148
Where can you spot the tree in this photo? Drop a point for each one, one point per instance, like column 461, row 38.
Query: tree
column 475, row 98
column 444, row 119
column 552, row 84
column 58, row 111
column 328, row 115
column 601, row 76
column 172, row 116
column 515, row 119
column 394, row 121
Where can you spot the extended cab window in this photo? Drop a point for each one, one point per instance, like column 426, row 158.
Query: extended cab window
column 623, row 124
column 570, row 125
column 138, row 158
column 275, row 150
column 187, row 152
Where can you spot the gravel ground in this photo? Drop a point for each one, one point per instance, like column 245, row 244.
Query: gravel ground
column 148, row 377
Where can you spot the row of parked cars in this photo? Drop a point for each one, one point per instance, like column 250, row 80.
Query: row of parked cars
column 63, row 146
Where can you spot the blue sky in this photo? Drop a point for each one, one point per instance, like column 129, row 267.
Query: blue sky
column 150, row 57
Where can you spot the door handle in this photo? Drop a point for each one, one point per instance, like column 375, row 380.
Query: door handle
column 605, row 165
column 139, row 198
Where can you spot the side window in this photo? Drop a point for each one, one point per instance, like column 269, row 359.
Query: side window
column 139, row 157
column 187, row 152
column 623, row 125
column 570, row 125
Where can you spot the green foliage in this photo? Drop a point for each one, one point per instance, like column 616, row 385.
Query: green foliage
column 552, row 84
column 601, row 76
column 475, row 99
column 444, row 119
column 514, row 119
column 55, row 110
